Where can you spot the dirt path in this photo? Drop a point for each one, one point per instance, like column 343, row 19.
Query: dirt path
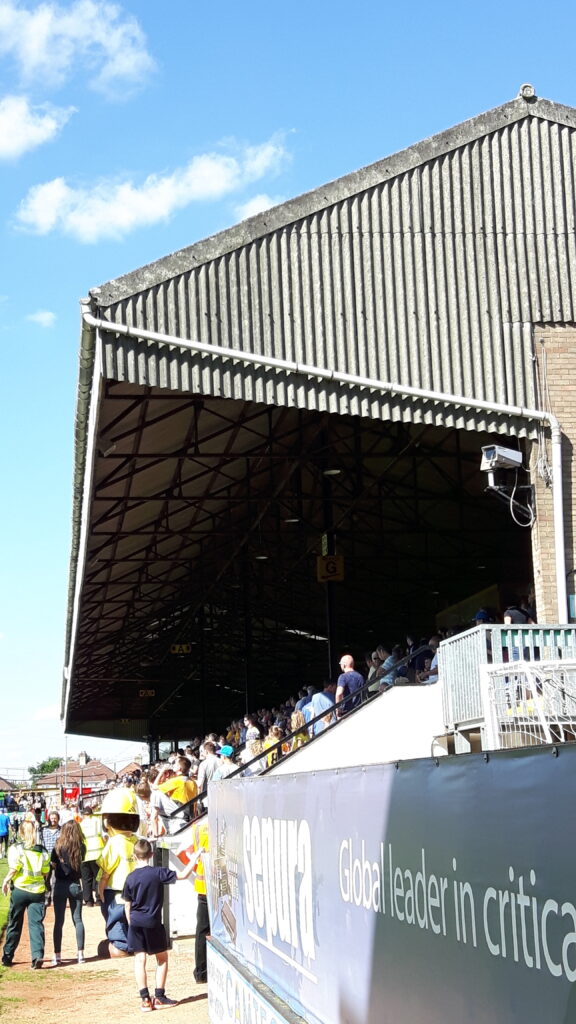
column 97, row 992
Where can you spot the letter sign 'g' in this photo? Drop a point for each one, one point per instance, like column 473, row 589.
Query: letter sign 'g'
column 330, row 568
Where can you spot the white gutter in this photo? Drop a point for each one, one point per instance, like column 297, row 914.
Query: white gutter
column 395, row 389
column 92, row 415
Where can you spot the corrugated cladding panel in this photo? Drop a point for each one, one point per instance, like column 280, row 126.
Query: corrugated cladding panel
column 432, row 279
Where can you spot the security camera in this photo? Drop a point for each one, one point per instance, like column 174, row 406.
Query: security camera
column 496, row 457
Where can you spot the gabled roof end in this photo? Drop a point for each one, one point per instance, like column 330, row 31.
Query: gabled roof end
column 527, row 103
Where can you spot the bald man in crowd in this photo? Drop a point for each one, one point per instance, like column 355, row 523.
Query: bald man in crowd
column 349, row 682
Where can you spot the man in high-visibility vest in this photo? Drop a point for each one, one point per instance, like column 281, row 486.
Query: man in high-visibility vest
column 92, row 831
column 29, row 864
column 200, row 846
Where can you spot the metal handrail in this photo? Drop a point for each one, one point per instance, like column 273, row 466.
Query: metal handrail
column 357, row 697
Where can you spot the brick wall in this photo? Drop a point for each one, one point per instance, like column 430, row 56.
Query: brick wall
column 555, row 349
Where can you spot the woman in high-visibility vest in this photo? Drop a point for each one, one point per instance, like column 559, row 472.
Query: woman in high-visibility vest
column 29, row 864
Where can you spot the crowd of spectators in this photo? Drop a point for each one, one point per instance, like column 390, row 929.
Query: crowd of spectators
column 172, row 792
column 259, row 739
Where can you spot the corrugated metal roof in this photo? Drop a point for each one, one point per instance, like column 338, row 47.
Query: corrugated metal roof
column 428, row 269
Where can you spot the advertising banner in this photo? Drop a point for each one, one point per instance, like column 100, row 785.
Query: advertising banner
column 438, row 891
column 234, row 999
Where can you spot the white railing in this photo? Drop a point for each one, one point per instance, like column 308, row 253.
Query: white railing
column 527, row 703
column 460, row 658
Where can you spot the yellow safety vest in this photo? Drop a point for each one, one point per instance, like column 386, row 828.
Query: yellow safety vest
column 92, row 832
column 200, row 842
column 118, row 859
column 33, row 866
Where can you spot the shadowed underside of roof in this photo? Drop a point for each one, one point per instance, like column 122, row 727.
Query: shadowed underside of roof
column 207, row 519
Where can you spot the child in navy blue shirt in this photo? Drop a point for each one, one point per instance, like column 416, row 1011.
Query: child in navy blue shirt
column 144, row 894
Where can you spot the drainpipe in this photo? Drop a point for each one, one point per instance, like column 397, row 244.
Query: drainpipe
column 558, row 508
column 320, row 372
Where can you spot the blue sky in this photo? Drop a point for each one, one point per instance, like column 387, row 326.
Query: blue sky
column 130, row 130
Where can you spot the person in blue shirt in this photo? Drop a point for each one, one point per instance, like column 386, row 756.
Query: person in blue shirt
column 4, row 832
column 390, row 658
column 143, row 894
column 349, row 682
column 321, row 702
column 305, row 699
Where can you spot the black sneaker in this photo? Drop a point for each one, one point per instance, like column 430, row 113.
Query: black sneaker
column 6, row 962
column 36, row 965
column 163, row 1003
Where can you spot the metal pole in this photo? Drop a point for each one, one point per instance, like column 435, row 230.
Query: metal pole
column 558, row 513
column 246, row 586
column 330, row 592
column 202, row 623
column 247, row 640
column 150, row 743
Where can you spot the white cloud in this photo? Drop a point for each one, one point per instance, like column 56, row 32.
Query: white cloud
column 43, row 318
column 48, row 42
column 256, row 205
column 50, row 713
column 112, row 208
column 41, row 207
column 23, row 127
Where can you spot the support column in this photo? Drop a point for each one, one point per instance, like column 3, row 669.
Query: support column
column 202, row 659
column 248, row 689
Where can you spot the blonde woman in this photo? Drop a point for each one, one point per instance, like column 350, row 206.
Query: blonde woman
column 275, row 734
column 251, row 750
column 29, row 865
column 144, row 804
column 298, row 726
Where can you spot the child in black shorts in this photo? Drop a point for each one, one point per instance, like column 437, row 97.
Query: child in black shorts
column 144, row 893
